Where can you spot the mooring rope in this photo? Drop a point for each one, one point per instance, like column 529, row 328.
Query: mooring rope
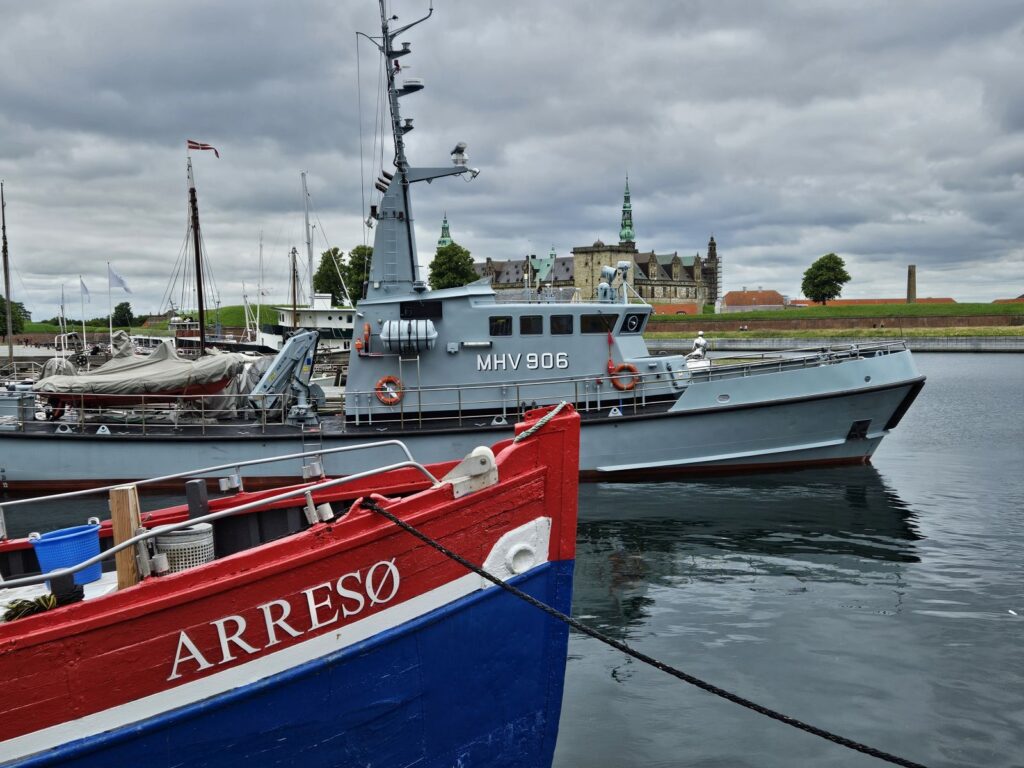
column 540, row 422
column 371, row 505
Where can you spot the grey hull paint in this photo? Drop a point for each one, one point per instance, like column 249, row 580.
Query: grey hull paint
column 802, row 416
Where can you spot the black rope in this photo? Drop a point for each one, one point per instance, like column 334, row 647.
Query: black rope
column 678, row 673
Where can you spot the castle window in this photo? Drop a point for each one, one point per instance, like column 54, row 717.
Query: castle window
column 531, row 325
column 501, row 325
column 561, row 325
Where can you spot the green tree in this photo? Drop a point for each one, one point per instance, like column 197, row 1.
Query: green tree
column 452, row 266
column 17, row 317
column 326, row 279
column 356, row 270
column 122, row 317
column 825, row 278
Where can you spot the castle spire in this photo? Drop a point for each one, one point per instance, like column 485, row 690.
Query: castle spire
column 446, row 236
column 626, row 234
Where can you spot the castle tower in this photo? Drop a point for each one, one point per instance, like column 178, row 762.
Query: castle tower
column 626, row 234
column 446, row 236
column 715, row 267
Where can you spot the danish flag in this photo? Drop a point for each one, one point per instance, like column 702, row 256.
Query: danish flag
column 191, row 144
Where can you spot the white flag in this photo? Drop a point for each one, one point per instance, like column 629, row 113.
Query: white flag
column 85, row 291
column 116, row 281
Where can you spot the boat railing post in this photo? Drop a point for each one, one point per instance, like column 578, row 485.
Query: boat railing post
column 458, row 404
column 419, row 393
column 143, row 414
column 81, row 414
column 263, row 413
column 202, row 413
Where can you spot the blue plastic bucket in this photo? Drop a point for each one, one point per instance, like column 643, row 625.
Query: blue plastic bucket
column 67, row 547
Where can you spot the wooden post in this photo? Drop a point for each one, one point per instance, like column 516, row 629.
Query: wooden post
column 124, row 513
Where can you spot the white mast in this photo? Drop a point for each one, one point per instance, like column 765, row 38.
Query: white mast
column 309, row 246
column 259, row 288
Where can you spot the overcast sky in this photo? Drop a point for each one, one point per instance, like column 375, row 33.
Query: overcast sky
column 889, row 133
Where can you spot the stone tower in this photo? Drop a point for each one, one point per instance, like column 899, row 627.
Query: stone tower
column 626, row 233
column 446, row 236
column 911, row 284
column 713, row 273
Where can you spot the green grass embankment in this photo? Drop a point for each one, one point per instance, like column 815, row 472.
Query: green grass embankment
column 848, row 333
column 855, row 311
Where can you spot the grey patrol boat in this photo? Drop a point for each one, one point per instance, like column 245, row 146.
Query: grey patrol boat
column 444, row 371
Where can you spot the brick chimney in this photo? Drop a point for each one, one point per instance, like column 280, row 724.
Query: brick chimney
column 911, row 284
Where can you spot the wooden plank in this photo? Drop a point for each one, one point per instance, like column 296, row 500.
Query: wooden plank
column 126, row 519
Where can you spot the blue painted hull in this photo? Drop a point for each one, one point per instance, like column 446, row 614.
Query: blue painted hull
column 477, row 683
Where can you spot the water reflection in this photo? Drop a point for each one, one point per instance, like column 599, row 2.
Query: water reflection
column 776, row 532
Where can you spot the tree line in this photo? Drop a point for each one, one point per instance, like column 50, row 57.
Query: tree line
column 451, row 267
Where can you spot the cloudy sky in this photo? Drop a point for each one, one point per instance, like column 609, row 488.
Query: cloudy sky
column 890, row 133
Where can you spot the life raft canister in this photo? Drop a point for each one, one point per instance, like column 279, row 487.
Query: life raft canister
column 623, row 384
column 389, row 390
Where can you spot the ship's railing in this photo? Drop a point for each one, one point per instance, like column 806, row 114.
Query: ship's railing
column 423, row 406
column 20, row 370
column 203, row 414
column 303, row 491
column 531, row 296
column 794, row 359
column 502, row 401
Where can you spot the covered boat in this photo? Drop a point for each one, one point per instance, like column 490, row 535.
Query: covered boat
column 160, row 373
column 322, row 634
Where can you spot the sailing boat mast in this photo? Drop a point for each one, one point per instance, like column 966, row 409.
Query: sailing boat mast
column 7, row 280
column 194, row 207
column 295, row 289
column 309, row 245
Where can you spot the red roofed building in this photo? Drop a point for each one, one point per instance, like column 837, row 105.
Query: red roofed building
column 751, row 301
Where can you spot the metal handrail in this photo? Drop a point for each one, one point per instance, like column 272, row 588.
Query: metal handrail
column 162, row 529
column 192, row 473
column 648, row 383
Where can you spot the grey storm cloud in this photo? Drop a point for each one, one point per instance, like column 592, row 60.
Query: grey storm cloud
column 890, row 133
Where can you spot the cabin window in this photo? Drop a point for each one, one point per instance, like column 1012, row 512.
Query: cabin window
column 420, row 310
column 634, row 322
column 597, row 323
column 531, row 325
column 561, row 325
column 501, row 325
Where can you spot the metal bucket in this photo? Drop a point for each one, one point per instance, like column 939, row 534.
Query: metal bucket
column 188, row 547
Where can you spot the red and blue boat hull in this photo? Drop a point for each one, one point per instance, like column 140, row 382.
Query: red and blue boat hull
column 350, row 644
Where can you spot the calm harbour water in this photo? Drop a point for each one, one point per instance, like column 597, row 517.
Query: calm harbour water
column 877, row 602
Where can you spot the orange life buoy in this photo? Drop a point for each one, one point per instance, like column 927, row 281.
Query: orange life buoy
column 389, row 390
column 629, row 382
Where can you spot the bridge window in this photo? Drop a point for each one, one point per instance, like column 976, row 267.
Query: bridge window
column 561, row 325
column 501, row 325
column 634, row 322
column 531, row 325
column 597, row 323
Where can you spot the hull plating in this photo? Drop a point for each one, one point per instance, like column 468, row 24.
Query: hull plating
column 476, row 683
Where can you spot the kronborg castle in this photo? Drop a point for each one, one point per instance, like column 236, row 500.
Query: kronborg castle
column 659, row 278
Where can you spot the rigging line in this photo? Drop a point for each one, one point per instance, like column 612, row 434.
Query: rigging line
column 371, row 504
column 378, row 127
column 20, row 280
column 165, row 298
column 362, row 175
